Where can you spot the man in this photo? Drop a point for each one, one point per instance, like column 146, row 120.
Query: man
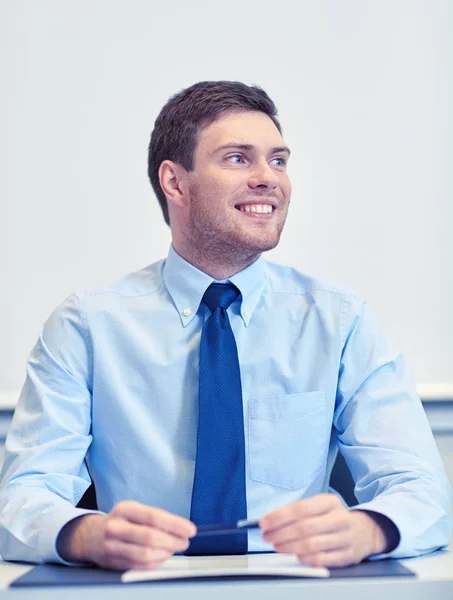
column 127, row 384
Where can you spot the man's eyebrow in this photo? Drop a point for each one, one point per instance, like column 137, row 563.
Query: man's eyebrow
column 250, row 147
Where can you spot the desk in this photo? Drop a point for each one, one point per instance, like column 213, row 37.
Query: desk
column 434, row 581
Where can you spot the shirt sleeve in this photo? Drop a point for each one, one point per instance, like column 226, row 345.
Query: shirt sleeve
column 386, row 440
column 44, row 472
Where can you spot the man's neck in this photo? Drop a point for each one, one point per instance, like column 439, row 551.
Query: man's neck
column 215, row 267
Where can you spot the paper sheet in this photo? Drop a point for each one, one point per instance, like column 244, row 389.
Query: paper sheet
column 216, row 566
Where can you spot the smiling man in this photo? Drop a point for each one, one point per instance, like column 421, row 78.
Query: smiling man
column 232, row 205
column 214, row 386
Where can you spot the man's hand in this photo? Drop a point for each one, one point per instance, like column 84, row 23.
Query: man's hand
column 323, row 532
column 131, row 536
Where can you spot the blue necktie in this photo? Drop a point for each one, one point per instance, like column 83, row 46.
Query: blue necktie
column 218, row 494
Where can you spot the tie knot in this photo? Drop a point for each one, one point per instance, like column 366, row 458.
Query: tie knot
column 220, row 294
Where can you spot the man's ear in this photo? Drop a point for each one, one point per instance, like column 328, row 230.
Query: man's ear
column 173, row 181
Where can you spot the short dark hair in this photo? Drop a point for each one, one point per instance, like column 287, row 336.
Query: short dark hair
column 179, row 122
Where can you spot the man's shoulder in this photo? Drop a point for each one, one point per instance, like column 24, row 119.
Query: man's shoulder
column 132, row 285
column 111, row 298
column 284, row 279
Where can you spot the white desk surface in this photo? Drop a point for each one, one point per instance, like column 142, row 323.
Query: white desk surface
column 433, row 581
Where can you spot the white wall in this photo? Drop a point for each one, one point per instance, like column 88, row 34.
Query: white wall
column 365, row 93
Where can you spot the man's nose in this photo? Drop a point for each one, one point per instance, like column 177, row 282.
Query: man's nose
column 263, row 175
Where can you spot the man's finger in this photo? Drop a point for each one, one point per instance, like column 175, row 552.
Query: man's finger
column 145, row 536
column 329, row 522
column 121, row 564
column 155, row 517
column 335, row 558
column 312, row 545
column 308, row 507
column 133, row 554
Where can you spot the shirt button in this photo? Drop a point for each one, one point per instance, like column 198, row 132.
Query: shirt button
column 247, row 314
column 187, row 312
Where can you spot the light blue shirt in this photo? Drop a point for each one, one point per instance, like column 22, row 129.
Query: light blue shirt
column 114, row 377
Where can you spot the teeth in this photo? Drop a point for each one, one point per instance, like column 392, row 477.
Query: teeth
column 256, row 208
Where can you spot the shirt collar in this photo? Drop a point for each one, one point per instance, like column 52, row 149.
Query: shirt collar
column 186, row 285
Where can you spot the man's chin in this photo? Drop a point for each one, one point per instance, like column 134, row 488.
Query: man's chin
column 257, row 244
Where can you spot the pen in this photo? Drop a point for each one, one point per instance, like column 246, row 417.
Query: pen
column 227, row 528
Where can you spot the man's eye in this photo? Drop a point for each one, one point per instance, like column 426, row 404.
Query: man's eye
column 279, row 161
column 235, row 158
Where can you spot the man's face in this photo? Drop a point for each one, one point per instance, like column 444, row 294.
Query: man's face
column 239, row 188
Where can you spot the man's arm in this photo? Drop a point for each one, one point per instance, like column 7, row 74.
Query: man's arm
column 386, row 440
column 404, row 496
column 44, row 474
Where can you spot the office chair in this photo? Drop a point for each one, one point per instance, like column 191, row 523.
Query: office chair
column 88, row 500
column 341, row 481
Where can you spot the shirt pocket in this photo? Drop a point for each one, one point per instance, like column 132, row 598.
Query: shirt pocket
column 286, row 438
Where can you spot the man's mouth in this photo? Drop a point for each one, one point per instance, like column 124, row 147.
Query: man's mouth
column 256, row 208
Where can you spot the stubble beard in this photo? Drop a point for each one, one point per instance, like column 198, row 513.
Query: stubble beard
column 221, row 242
